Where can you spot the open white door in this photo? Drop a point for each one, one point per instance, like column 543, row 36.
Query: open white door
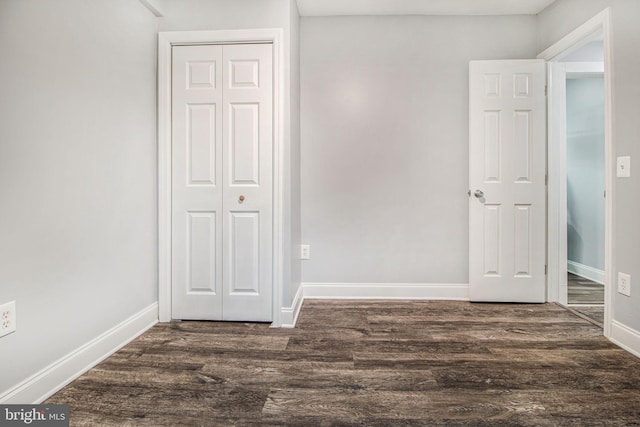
column 507, row 164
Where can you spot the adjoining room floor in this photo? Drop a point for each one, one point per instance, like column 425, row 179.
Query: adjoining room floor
column 368, row 363
column 595, row 314
column 585, row 291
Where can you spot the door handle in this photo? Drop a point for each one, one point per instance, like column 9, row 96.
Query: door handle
column 479, row 194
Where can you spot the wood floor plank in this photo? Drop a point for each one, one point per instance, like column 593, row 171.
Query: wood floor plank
column 325, row 378
column 491, row 332
column 219, row 341
column 384, row 345
column 429, row 319
column 531, row 377
column 434, row 405
column 509, row 358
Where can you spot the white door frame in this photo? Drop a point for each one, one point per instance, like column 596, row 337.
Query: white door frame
column 597, row 26
column 165, row 41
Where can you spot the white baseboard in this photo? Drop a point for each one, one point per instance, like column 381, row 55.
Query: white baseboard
column 408, row 291
column 585, row 271
column 49, row 380
column 289, row 315
column 625, row 337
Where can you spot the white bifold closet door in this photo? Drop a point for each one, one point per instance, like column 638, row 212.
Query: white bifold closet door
column 222, row 127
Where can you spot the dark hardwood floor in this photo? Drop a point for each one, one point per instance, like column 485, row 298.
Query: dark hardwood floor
column 363, row 363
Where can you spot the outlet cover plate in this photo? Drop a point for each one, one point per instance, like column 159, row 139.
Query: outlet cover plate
column 305, row 252
column 623, row 169
column 624, row 284
column 7, row 318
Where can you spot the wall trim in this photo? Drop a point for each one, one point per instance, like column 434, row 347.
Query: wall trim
column 49, row 380
column 585, row 271
column 625, row 337
column 289, row 316
column 407, row 291
column 165, row 41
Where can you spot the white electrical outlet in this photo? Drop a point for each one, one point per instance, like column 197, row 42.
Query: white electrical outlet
column 624, row 284
column 305, row 252
column 7, row 318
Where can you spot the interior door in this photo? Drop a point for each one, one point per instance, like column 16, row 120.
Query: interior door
column 222, row 182
column 507, row 166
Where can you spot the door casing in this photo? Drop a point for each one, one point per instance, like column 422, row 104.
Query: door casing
column 597, row 26
column 165, row 42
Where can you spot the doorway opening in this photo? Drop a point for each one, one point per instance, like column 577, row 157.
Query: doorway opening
column 580, row 196
column 585, row 152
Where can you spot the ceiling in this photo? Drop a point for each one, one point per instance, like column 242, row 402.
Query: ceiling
column 421, row 7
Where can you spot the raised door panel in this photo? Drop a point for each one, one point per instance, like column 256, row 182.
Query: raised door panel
column 201, row 144
column 244, row 73
column 244, row 144
column 244, row 253
column 492, row 240
column 201, row 74
column 201, row 253
column 492, row 146
column 522, row 146
column 522, row 241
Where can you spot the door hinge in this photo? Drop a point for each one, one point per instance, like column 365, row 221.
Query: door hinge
column 546, row 90
column 605, row 194
column 545, row 269
column 546, row 179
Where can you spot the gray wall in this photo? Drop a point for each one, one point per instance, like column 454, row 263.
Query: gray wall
column 553, row 23
column 78, row 223
column 191, row 15
column 585, row 171
column 385, row 142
